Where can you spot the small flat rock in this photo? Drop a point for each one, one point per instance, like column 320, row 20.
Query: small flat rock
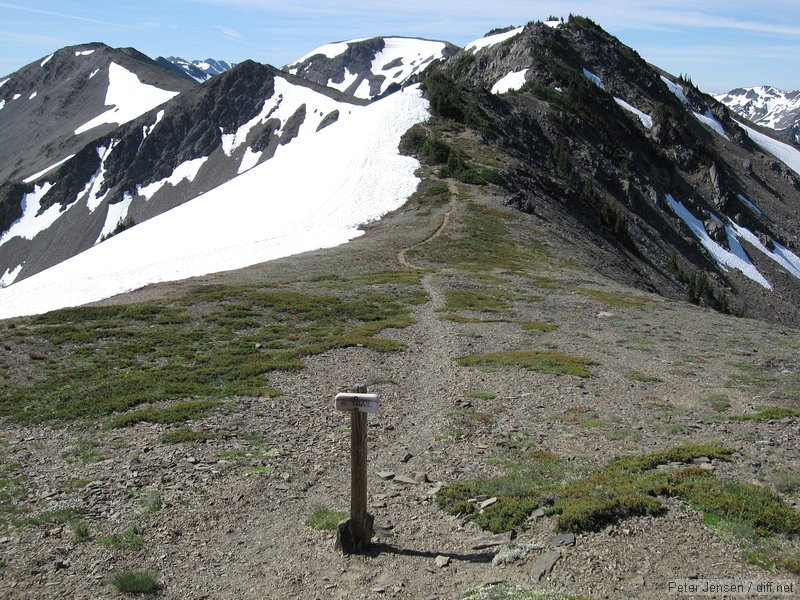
column 544, row 564
column 386, row 475
column 637, row 581
column 442, row 561
column 406, row 480
column 487, row 541
column 487, row 503
column 406, row 457
column 537, row 514
column 564, row 539
column 421, row 477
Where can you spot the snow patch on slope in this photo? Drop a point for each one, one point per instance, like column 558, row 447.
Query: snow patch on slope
column 348, row 80
column 9, row 276
column 31, row 222
column 129, row 98
column 46, row 170
column 413, row 54
column 646, row 119
column 492, row 40
column 594, row 78
column 709, row 119
column 736, row 258
column 184, row 171
column 275, row 209
column 752, row 205
column 115, row 216
column 330, row 50
column 675, row 89
column 511, row 82
column 780, row 150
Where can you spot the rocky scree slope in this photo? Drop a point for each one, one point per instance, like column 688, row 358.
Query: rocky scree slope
column 664, row 189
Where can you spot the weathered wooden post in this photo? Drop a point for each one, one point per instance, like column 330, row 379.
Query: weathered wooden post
column 354, row 534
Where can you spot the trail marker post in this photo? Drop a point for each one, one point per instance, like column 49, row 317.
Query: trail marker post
column 354, row 534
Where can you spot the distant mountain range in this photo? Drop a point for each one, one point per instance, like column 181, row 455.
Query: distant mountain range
column 197, row 70
column 767, row 106
column 660, row 183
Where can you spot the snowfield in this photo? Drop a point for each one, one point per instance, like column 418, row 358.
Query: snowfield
column 313, row 194
column 128, row 98
column 511, row 82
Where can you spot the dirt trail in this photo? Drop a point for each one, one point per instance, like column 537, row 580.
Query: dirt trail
column 401, row 255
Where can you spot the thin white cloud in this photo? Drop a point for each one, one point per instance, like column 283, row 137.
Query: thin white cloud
column 60, row 15
column 18, row 37
column 230, row 34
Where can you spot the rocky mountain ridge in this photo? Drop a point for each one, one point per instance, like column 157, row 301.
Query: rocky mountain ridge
column 610, row 149
column 588, row 135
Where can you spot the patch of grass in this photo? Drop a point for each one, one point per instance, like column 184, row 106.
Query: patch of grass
column 532, row 360
column 86, row 450
column 81, row 530
column 256, row 458
column 135, row 582
column 625, row 487
column 12, row 493
column 634, row 375
column 151, row 501
column 505, row 591
column 486, row 243
column 478, row 300
column 775, row 377
column 772, row 554
column 325, row 519
column 583, row 416
column 178, row 412
column 783, row 481
column 186, row 435
column 615, row 299
column 538, row 326
column 63, row 516
column 774, row 413
column 127, row 540
column 719, row 402
column 213, row 342
column 481, row 395
column 455, row 318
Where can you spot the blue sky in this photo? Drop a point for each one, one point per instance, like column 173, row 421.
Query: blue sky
column 720, row 45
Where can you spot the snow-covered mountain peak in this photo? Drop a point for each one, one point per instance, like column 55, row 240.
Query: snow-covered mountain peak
column 368, row 68
column 767, row 106
column 197, row 70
